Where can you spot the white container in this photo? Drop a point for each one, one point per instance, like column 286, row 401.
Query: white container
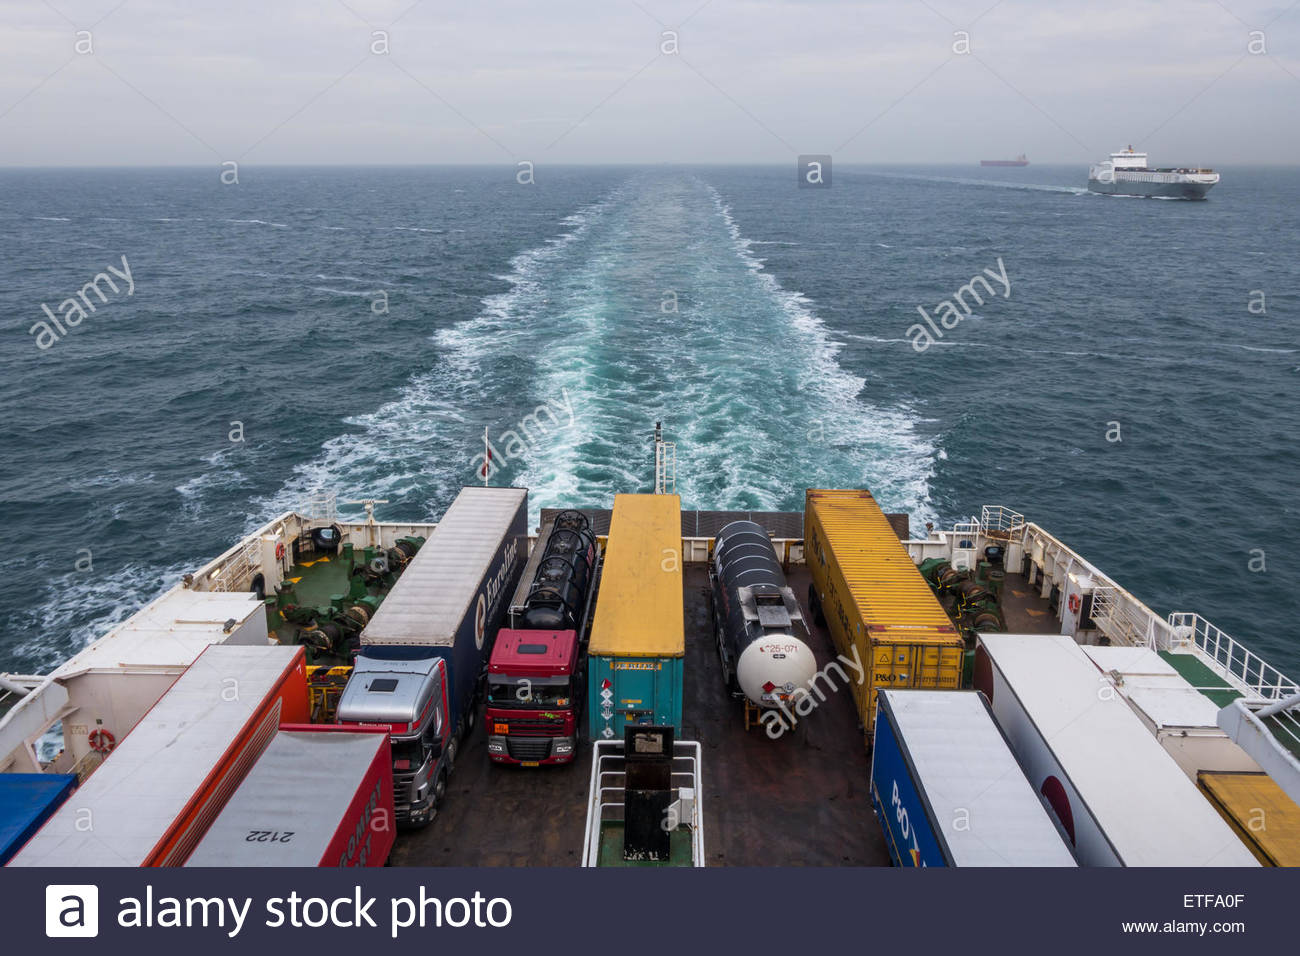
column 1119, row 796
column 1180, row 717
column 463, row 575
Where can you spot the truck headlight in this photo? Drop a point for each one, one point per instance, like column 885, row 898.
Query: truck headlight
column 563, row 746
column 496, row 745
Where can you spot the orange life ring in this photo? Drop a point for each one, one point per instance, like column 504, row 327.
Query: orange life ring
column 1074, row 603
column 279, row 551
column 101, row 741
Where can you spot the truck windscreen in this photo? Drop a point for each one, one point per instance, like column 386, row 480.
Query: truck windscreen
column 506, row 691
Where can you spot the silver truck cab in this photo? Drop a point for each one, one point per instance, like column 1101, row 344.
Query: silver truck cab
column 409, row 696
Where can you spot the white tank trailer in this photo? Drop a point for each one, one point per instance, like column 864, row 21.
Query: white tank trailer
column 757, row 620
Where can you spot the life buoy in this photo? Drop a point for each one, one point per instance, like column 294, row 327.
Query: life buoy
column 1074, row 603
column 101, row 741
column 279, row 551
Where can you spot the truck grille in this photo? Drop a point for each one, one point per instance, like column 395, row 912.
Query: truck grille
column 529, row 748
column 534, row 727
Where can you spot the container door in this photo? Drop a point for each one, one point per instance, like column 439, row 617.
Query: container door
column 635, row 692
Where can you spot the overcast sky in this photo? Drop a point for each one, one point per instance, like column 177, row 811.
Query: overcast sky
column 596, row 81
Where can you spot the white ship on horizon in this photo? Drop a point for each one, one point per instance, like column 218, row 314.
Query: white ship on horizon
column 1126, row 173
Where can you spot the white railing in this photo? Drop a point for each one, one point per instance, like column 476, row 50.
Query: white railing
column 1126, row 621
column 321, row 506
column 605, row 799
column 1001, row 521
column 237, row 573
column 1244, row 667
column 965, row 544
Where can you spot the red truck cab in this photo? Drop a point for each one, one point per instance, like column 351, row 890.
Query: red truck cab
column 533, row 697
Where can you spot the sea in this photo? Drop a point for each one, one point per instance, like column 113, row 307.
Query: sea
column 358, row 332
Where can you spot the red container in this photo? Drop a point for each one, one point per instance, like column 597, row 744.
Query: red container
column 321, row 795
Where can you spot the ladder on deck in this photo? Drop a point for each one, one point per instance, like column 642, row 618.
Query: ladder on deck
column 665, row 463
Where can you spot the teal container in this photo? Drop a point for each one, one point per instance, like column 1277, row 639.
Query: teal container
column 632, row 690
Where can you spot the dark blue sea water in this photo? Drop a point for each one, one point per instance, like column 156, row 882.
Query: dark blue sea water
column 767, row 326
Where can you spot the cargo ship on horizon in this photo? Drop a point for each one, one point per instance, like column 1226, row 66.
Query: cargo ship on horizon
column 1126, row 173
column 1020, row 160
column 619, row 655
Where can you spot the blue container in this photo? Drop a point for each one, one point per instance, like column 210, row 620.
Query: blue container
column 27, row 800
column 453, row 596
column 633, row 690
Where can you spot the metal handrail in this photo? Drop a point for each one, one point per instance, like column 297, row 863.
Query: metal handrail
column 611, row 750
column 1001, row 519
column 1241, row 665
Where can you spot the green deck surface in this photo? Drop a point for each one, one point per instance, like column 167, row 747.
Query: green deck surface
column 1201, row 677
column 611, row 848
column 314, row 583
column 1218, row 690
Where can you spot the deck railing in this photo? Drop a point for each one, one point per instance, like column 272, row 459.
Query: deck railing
column 1000, row 521
column 605, row 800
column 1243, row 666
column 1126, row 621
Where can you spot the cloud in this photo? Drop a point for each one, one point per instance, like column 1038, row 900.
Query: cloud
column 751, row 81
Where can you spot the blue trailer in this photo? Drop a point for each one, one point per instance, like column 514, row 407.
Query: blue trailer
column 27, row 800
column 947, row 789
column 424, row 654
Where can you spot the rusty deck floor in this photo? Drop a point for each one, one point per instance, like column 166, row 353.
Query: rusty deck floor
column 801, row 800
column 1024, row 611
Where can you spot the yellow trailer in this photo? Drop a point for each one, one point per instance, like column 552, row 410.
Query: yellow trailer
column 879, row 610
column 637, row 652
column 1266, row 819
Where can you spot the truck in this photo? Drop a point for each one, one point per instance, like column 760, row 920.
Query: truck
column 346, row 776
column 947, row 790
column 1119, row 797
column 423, row 660
column 537, row 671
column 881, row 614
column 156, row 794
column 638, row 640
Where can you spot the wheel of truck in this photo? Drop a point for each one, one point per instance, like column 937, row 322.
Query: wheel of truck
column 439, row 791
column 471, row 718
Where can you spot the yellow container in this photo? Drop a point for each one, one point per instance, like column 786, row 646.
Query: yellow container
column 879, row 610
column 639, row 606
column 1263, row 816
column 637, row 653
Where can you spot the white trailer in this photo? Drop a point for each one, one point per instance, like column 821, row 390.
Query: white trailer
column 948, row 790
column 1178, row 715
column 1120, row 798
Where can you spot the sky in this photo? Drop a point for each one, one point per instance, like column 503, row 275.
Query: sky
column 147, row 82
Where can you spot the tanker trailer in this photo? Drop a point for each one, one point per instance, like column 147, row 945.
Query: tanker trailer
column 759, row 626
